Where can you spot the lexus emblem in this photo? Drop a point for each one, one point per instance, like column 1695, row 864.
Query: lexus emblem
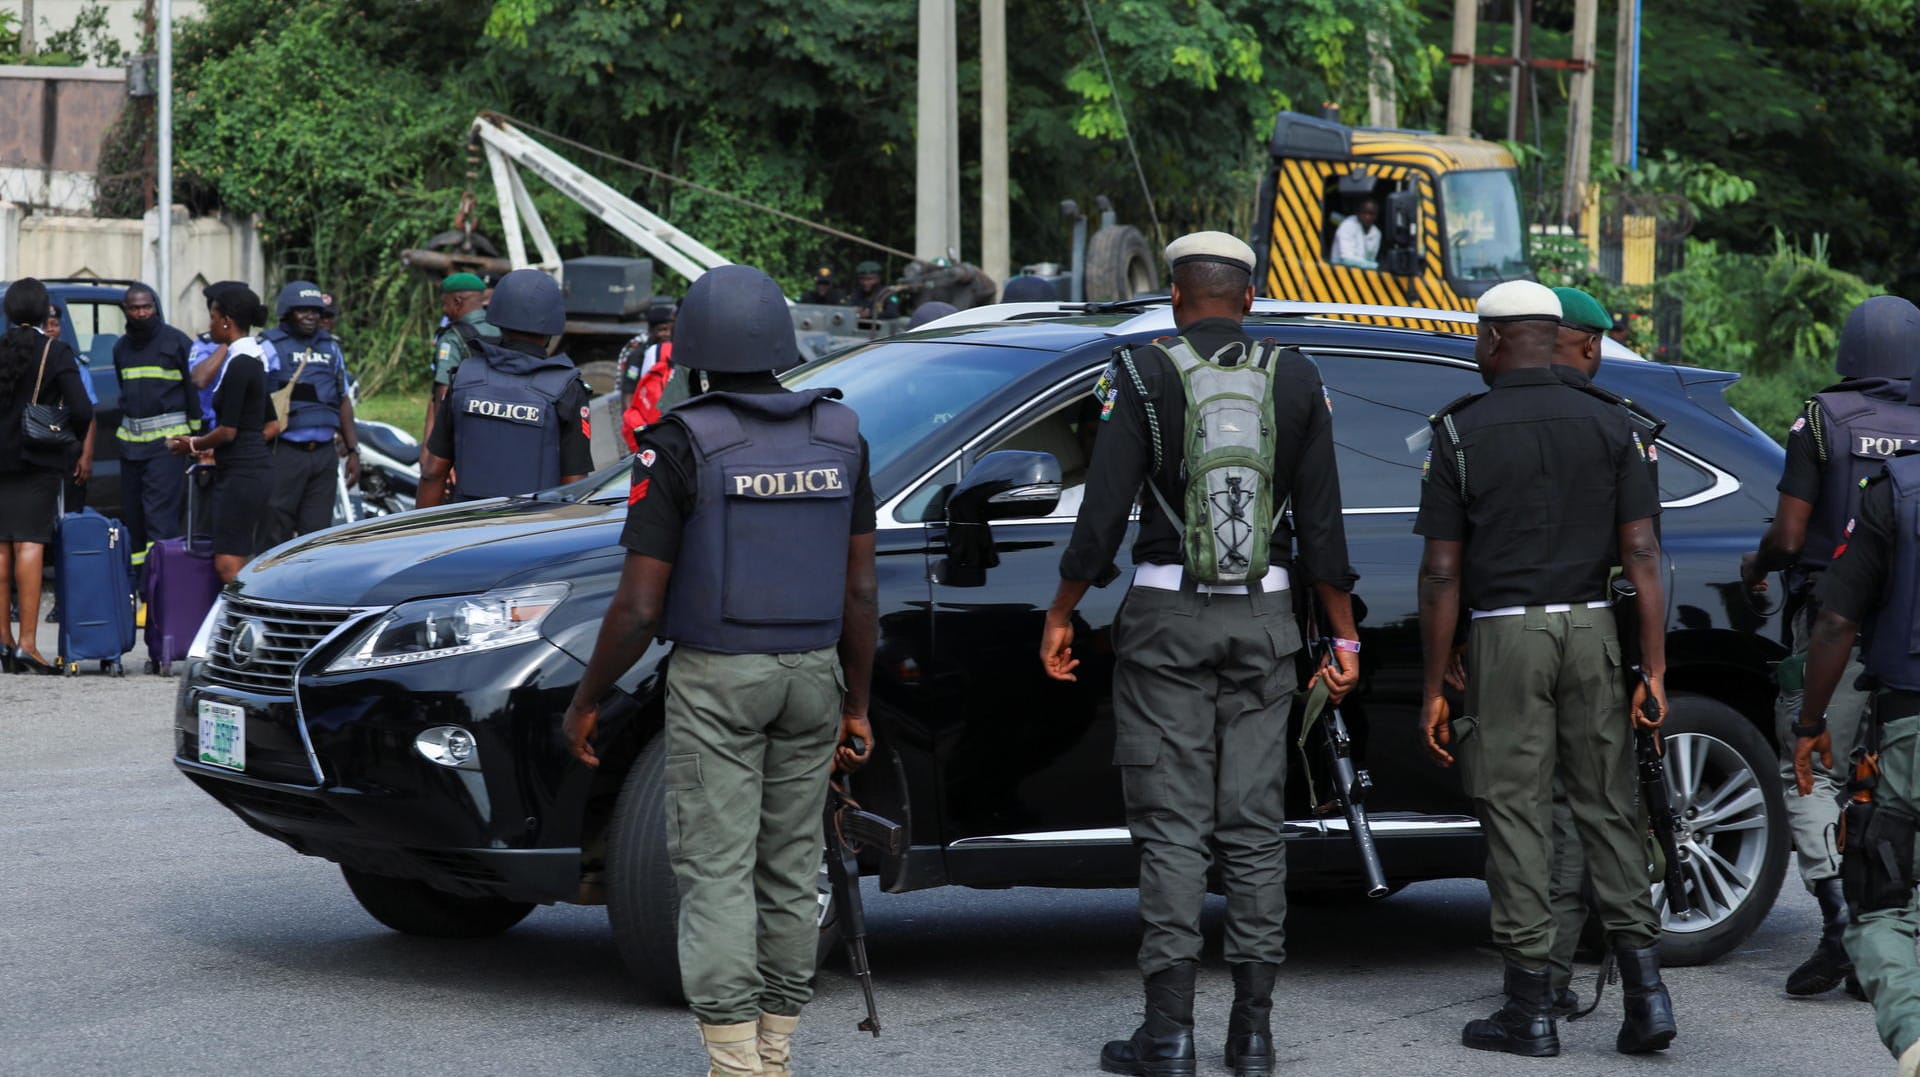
column 246, row 639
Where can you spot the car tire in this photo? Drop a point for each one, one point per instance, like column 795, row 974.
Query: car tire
column 411, row 907
column 1120, row 264
column 1735, row 854
column 643, row 900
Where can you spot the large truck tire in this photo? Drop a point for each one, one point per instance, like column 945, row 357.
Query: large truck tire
column 412, row 907
column 1120, row 264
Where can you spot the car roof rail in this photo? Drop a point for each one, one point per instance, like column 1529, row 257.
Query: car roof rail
column 103, row 281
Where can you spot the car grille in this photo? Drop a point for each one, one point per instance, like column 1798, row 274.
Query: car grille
column 284, row 636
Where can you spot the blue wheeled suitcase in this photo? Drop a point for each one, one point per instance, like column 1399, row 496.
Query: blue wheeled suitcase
column 94, row 587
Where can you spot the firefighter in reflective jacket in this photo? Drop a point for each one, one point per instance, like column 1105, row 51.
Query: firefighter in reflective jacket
column 157, row 402
column 516, row 419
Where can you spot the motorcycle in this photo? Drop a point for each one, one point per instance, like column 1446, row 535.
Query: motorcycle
column 389, row 474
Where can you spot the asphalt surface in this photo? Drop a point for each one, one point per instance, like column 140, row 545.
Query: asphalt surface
column 148, row 931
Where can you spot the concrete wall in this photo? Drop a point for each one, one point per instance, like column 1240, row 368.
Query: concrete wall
column 205, row 249
column 53, row 121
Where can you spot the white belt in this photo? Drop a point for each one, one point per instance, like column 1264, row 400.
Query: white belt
column 1170, row 577
column 1551, row 607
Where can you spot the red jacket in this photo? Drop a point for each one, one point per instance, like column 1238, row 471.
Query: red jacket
column 644, row 409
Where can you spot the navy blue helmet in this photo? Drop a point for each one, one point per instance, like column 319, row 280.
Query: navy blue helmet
column 297, row 294
column 734, row 319
column 528, row 301
column 1880, row 339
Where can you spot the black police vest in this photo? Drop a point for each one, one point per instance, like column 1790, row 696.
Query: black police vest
column 763, row 558
column 1892, row 653
column 1863, row 425
column 320, row 362
column 506, row 421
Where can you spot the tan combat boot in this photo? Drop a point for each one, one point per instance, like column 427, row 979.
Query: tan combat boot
column 776, row 1043
column 731, row 1049
column 1909, row 1060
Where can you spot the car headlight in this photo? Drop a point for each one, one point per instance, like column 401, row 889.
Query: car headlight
column 444, row 627
column 202, row 646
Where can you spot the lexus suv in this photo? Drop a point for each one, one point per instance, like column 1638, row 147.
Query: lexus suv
column 387, row 694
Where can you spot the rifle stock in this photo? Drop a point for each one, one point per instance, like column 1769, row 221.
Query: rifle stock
column 1663, row 822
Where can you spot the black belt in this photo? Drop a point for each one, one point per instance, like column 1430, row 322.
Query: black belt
column 1892, row 704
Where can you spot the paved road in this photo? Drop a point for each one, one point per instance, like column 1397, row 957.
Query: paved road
column 148, row 931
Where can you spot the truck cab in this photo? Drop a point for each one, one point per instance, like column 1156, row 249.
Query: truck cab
column 1448, row 214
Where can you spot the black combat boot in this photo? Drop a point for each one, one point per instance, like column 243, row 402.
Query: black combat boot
column 1829, row 966
column 1566, row 1002
column 1524, row 1026
column 1163, row 1044
column 1649, row 1025
column 1250, row 1025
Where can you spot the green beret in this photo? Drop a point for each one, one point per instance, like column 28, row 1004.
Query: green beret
column 462, row 282
column 867, row 267
column 1582, row 311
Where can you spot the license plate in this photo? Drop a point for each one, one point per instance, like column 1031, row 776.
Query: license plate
column 223, row 735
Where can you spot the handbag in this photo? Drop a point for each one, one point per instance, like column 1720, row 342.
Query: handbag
column 44, row 426
column 282, row 397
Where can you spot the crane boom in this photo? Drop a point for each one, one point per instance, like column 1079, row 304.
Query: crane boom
column 506, row 147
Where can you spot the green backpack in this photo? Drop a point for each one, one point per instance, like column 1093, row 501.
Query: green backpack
column 1228, row 464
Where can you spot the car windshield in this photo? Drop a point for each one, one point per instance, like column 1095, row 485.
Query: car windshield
column 1485, row 239
column 903, row 390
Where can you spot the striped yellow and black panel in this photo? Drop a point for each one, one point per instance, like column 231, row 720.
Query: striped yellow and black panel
column 1297, row 267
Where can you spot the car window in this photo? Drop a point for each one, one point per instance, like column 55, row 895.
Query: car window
column 1377, row 403
column 1681, row 478
column 1066, row 432
column 1485, row 239
column 96, row 326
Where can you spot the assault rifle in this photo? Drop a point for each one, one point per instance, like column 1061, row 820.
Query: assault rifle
column 1662, row 820
column 845, row 817
column 1351, row 783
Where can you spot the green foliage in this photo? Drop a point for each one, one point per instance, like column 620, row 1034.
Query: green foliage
column 1561, row 260
column 86, row 42
column 1774, row 317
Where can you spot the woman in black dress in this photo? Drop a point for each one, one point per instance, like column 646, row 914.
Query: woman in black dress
column 34, row 368
column 242, row 481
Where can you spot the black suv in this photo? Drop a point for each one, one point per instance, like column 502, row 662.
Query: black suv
column 387, row 694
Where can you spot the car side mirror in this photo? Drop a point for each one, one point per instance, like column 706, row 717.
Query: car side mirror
column 1006, row 485
column 1402, row 247
column 1003, row 485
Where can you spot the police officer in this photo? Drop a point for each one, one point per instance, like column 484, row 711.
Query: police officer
column 1875, row 581
column 1842, row 436
column 157, row 402
column 823, row 289
column 461, row 304
column 1532, row 492
column 517, row 419
column 305, row 464
column 1203, row 680
column 749, row 544
column 866, row 291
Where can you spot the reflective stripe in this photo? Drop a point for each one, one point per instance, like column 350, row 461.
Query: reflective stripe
column 157, row 373
column 154, row 427
column 180, row 431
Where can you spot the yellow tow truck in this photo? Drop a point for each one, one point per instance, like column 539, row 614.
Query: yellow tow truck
column 1448, row 216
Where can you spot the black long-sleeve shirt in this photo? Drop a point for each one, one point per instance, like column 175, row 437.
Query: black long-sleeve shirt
column 59, row 385
column 1303, row 466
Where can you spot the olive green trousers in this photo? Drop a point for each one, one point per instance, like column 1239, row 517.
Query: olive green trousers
column 1813, row 819
column 750, row 738
column 1881, row 942
column 1545, row 691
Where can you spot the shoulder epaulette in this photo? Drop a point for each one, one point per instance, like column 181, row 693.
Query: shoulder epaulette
column 1422, row 439
column 1640, row 416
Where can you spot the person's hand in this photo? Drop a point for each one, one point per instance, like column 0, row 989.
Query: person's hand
column 1640, row 718
column 179, row 446
column 1456, row 675
column 1750, row 573
column 844, row 757
column 353, row 469
column 83, row 468
column 1056, row 650
column 1340, row 671
column 204, row 456
column 1804, row 750
column 577, row 728
column 1434, row 716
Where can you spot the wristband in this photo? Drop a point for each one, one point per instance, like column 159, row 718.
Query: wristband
column 1803, row 728
column 1350, row 646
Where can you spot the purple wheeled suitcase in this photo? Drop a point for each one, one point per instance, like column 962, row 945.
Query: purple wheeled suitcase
column 181, row 587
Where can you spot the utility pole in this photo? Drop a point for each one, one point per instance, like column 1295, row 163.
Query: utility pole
column 26, row 28
column 1573, row 196
column 1383, row 104
column 1522, row 95
column 995, row 240
column 936, row 216
column 163, row 177
column 1466, row 20
column 1626, row 77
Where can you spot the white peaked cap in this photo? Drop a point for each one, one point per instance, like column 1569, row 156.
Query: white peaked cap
column 1211, row 247
column 1519, row 300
